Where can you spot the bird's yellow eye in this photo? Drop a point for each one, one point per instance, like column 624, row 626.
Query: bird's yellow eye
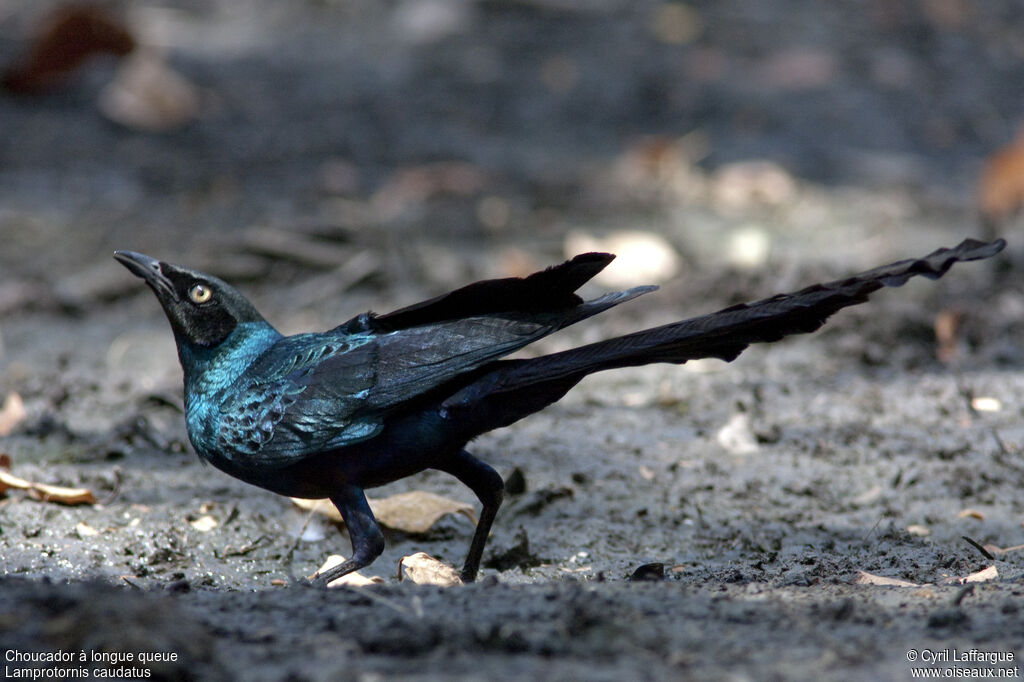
column 200, row 293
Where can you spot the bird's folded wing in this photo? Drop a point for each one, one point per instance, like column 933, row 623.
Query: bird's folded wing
column 314, row 393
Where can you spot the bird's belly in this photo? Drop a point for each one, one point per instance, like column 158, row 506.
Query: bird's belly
column 406, row 446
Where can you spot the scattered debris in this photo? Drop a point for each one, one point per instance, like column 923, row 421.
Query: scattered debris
column 84, row 530
column 984, row 575
column 205, row 523
column 986, row 404
column 868, row 497
column 241, row 551
column 865, row 578
column 990, row 551
column 422, row 569
column 648, row 572
column 534, row 501
column 515, row 482
column 516, row 556
column 737, row 437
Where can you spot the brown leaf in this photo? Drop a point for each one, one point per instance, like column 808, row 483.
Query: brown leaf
column 68, row 37
column 1001, row 183
column 12, row 412
column 423, row 569
column 864, row 578
column 412, row 512
column 417, row 511
column 971, row 514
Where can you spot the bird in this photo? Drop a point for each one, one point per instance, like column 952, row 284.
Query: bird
column 382, row 397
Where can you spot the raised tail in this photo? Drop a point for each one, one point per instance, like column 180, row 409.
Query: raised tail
column 504, row 388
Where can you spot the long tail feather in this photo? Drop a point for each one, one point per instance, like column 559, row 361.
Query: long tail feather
column 723, row 334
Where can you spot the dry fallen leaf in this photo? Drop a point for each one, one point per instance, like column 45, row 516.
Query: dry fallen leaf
column 422, row 569
column 61, row 494
column 44, row 492
column 68, row 37
column 1001, row 185
column 412, row 512
column 864, row 578
column 9, row 480
column 355, row 579
column 148, row 95
column 417, row 511
column 984, row 575
column 12, row 412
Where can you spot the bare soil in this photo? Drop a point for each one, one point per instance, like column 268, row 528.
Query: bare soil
column 353, row 155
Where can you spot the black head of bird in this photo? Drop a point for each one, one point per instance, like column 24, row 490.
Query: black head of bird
column 203, row 310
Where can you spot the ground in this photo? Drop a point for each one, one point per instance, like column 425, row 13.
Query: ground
column 348, row 156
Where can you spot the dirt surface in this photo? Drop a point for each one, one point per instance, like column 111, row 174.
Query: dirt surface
column 350, row 155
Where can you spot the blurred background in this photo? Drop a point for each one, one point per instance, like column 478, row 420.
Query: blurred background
column 330, row 155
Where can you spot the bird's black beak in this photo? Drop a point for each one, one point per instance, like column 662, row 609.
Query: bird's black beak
column 148, row 269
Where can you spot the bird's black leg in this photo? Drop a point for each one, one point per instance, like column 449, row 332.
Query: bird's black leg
column 490, row 489
column 367, row 538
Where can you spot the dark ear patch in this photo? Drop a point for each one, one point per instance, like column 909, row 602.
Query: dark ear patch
column 209, row 326
column 204, row 325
